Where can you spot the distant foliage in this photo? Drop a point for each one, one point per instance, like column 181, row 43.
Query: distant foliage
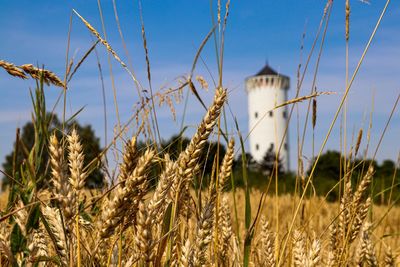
column 329, row 171
column 91, row 146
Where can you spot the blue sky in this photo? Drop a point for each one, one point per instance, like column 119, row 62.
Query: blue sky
column 36, row 32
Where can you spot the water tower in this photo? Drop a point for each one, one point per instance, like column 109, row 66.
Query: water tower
column 266, row 90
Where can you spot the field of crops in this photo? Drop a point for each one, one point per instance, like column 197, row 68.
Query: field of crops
column 151, row 210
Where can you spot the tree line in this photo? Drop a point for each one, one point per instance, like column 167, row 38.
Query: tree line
column 325, row 179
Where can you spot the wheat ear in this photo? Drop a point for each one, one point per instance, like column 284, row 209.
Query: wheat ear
column 21, row 217
column 124, row 196
column 75, row 162
column 158, row 202
column 226, row 167
column 225, row 228
column 314, row 256
column 267, row 241
column 184, row 260
column 39, row 244
column 390, row 260
column 203, row 235
column 12, row 69
column 362, row 187
column 144, row 240
column 48, row 76
column 56, row 227
column 299, row 253
column 188, row 159
column 365, row 252
column 129, row 161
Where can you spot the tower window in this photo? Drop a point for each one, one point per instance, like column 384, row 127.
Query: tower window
column 284, row 114
column 285, row 146
column 257, row 147
column 271, row 147
column 256, row 115
column 271, row 113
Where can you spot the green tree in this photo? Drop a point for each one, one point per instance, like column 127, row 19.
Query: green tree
column 90, row 143
column 268, row 163
column 327, row 174
column 251, row 163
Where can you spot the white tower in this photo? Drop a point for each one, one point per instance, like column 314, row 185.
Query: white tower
column 266, row 90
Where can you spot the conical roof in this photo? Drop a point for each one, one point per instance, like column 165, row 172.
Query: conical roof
column 267, row 70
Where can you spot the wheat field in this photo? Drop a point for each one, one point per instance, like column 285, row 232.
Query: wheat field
column 129, row 225
column 160, row 218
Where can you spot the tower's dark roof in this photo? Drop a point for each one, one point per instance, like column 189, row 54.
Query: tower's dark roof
column 267, row 70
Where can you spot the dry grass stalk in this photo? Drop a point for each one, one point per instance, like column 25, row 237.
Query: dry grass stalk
column 47, row 76
column 12, row 69
column 358, row 142
column 81, row 60
column 203, row 83
column 314, row 112
column 226, row 12
column 302, row 98
column 347, row 20
column 106, row 44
